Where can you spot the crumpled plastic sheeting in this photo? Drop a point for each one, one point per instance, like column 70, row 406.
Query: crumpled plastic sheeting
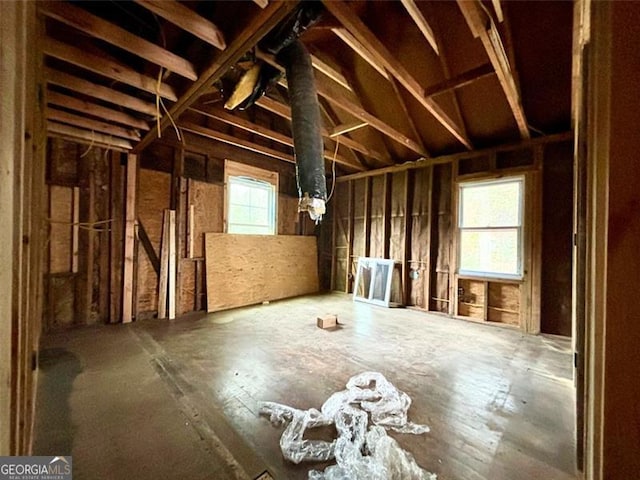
column 359, row 454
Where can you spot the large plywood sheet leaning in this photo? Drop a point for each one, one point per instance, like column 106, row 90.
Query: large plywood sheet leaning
column 248, row 269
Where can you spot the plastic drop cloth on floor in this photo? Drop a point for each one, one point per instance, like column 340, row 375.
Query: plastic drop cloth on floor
column 361, row 451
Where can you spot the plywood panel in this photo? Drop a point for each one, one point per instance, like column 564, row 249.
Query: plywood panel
column 249, row 269
column 471, row 298
column 154, row 195
column 187, row 292
column 504, row 303
column 208, row 202
column 61, row 216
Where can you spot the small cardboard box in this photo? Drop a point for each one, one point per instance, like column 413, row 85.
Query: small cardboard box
column 327, row 321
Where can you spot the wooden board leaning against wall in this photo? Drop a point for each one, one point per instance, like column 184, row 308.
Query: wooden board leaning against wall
column 370, row 219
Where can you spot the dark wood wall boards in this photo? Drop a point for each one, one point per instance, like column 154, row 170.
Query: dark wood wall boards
column 409, row 215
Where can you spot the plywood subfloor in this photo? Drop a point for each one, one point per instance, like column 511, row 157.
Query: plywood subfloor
column 500, row 404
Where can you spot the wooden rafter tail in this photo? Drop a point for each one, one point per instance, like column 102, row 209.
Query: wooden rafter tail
column 85, row 122
column 104, row 66
column 55, row 77
column 186, row 19
column 493, row 46
column 385, row 60
column 89, row 108
column 421, row 22
column 98, row 28
column 87, row 135
column 256, row 29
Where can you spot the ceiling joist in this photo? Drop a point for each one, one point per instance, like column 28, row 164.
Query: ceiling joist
column 257, row 28
column 106, row 67
column 87, row 136
column 461, row 80
column 186, row 19
column 98, row 28
column 490, row 38
column 385, row 60
column 80, row 85
column 88, row 123
column 73, row 103
column 346, row 128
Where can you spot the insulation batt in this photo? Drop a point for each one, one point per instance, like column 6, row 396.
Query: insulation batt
column 361, row 451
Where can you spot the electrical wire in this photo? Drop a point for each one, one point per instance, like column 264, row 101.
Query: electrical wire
column 333, row 169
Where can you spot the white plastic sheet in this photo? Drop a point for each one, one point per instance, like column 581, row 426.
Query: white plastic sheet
column 360, row 451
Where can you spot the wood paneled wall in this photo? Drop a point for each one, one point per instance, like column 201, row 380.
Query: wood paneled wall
column 408, row 214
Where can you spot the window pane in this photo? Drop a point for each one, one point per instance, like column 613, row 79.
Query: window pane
column 491, row 205
column 239, row 194
column 251, row 207
column 260, row 216
column 490, row 251
column 260, row 196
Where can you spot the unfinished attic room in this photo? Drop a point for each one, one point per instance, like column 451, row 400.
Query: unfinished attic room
column 377, row 240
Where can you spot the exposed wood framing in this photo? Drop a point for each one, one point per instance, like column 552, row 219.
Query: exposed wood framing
column 87, row 136
column 84, row 122
column 405, row 110
column 428, row 278
column 236, row 142
column 73, row 103
column 425, row 162
column 497, row 6
column 129, row 238
column 163, row 275
column 406, row 244
column 76, row 230
column 148, row 247
column 225, row 117
column 386, row 215
column 346, row 128
column 421, row 22
column 96, row 27
column 329, row 71
column 186, row 19
column 106, row 94
column 367, row 216
column 171, row 283
column 257, row 28
column 349, row 232
column 261, row 3
column 103, row 65
column 383, row 57
column 492, row 44
column 357, row 47
column 459, row 81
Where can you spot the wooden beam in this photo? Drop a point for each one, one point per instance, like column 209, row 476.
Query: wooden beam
column 88, row 136
column 383, row 57
column 357, row 47
column 186, row 19
column 257, row 28
column 497, row 6
column 284, row 111
column 171, row 286
column 98, row 28
column 405, row 110
column 225, row 117
column 84, row 122
column 357, row 111
column 386, row 215
column 460, row 81
column 73, row 103
column 421, row 22
column 367, row 216
column 425, row 162
column 236, row 142
column 163, row 276
column 494, row 48
column 329, row 71
column 148, row 247
column 101, row 92
column 261, row 3
column 346, row 128
column 349, row 232
column 406, row 244
column 129, row 239
column 106, row 67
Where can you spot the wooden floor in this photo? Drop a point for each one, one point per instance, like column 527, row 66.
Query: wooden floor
column 178, row 399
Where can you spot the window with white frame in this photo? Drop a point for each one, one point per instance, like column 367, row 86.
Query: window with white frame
column 490, row 221
column 251, row 206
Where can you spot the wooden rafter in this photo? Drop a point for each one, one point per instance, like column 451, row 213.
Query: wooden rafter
column 421, row 22
column 236, row 142
column 261, row 3
column 186, row 19
column 90, row 124
column 235, row 121
column 257, row 28
column 330, row 71
column 284, row 111
column 497, row 6
column 405, row 110
column 383, row 57
column 357, row 47
column 89, row 108
column 346, row 128
column 80, row 85
column 106, row 67
column 459, row 81
column 490, row 38
column 331, row 120
column 87, row 136
column 96, row 27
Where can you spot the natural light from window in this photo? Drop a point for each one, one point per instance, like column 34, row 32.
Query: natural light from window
column 490, row 221
column 251, row 206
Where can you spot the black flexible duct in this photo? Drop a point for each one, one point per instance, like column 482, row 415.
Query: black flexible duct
column 306, row 124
